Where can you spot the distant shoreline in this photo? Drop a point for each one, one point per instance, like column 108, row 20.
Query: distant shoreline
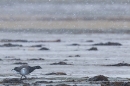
column 68, row 31
column 97, row 26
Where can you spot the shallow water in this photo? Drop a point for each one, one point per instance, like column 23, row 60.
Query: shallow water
column 64, row 9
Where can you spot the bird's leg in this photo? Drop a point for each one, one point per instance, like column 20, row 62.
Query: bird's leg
column 21, row 77
column 25, row 77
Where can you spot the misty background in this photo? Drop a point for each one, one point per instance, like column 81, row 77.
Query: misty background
column 110, row 15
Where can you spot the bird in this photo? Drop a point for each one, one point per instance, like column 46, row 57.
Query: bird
column 25, row 70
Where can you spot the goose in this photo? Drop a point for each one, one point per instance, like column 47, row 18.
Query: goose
column 25, row 70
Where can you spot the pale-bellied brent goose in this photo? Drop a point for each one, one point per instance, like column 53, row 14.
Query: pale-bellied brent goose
column 25, row 70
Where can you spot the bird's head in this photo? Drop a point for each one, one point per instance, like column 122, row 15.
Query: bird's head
column 37, row 67
column 16, row 69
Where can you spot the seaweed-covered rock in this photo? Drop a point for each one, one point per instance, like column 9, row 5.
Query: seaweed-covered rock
column 20, row 63
column 108, row 44
column 118, row 84
column 13, row 80
column 60, row 63
column 57, row 40
column 89, row 41
column 63, row 85
column 10, row 40
column 119, row 64
column 15, row 59
column 44, row 48
column 75, row 56
column 93, row 49
column 43, row 82
column 36, row 59
column 75, row 44
column 36, row 46
column 57, row 73
column 10, row 45
column 99, row 78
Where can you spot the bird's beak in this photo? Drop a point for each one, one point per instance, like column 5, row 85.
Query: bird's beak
column 12, row 69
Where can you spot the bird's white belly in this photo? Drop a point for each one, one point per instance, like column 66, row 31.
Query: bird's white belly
column 24, row 71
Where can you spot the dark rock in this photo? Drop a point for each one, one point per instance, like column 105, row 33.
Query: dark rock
column 58, row 40
column 44, row 82
column 93, row 49
column 9, row 40
column 74, row 44
column 63, row 85
column 109, row 44
column 75, row 56
column 119, row 64
column 126, row 84
column 36, row 46
column 117, row 84
column 9, row 57
column 66, row 60
column 26, row 84
column 44, row 48
column 99, row 78
column 15, row 59
column 20, row 63
column 89, row 41
column 13, row 80
column 70, row 56
column 10, row 45
column 57, row 73
column 36, row 59
column 60, row 63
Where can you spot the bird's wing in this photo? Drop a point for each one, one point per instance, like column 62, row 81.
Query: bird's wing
column 31, row 69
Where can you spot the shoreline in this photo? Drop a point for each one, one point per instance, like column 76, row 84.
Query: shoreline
column 74, row 27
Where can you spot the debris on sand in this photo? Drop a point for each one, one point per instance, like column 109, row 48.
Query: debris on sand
column 57, row 40
column 99, row 78
column 93, row 49
column 36, row 46
column 43, row 82
column 13, row 80
column 57, row 73
column 36, row 59
column 15, row 59
column 10, row 45
column 19, row 40
column 10, row 40
column 108, row 44
column 75, row 56
column 63, row 85
column 20, row 63
column 60, row 63
column 89, row 41
column 9, row 56
column 75, row 44
column 44, row 48
column 119, row 64
column 115, row 84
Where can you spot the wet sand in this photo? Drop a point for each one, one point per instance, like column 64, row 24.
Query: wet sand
column 82, row 64
column 95, row 25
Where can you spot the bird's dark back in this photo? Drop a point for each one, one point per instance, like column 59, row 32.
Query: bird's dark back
column 31, row 69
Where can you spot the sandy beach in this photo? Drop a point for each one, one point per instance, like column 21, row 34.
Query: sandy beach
column 69, row 48
column 76, row 42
